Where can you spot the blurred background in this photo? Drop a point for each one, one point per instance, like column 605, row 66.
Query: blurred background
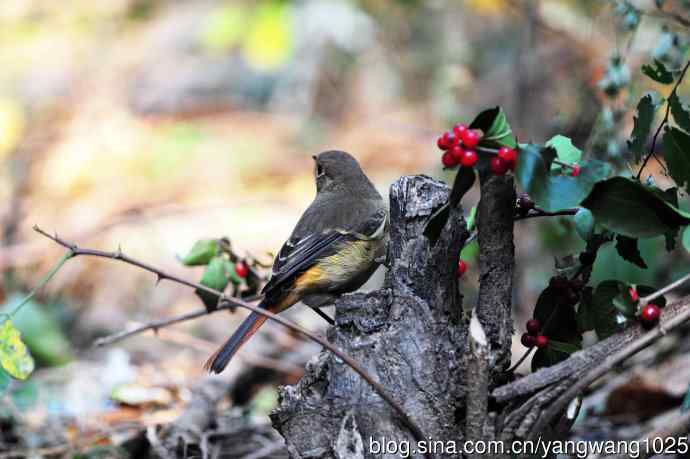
column 150, row 124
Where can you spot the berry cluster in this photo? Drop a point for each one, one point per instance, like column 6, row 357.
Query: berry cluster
column 533, row 337
column 460, row 146
column 650, row 313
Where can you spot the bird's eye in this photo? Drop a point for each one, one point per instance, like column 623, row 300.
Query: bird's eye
column 319, row 170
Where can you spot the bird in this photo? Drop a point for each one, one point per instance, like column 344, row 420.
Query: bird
column 334, row 248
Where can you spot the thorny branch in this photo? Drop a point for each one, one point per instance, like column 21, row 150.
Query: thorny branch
column 74, row 251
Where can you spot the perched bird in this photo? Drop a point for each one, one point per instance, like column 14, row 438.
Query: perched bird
column 332, row 250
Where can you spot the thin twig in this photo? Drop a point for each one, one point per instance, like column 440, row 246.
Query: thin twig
column 40, row 285
column 120, row 256
column 537, row 212
column 664, row 290
column 664, row 121
column 522, row 359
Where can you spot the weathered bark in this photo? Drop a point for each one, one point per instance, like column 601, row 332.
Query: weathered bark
column 410, row 335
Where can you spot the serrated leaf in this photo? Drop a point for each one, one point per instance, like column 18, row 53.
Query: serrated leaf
column 216, row 277
column 681, row 114
column 497, row 131
column 628, row 250
column 658, row 72
column 627, row 207
column 555, row 192
column 201, row 252
column 584, row 223
column 677, row 155
column 642, row 127
column 14, row 356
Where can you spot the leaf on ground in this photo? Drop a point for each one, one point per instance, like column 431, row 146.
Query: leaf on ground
column 627, row 207
column 642, row 127
column 14, row 356
column 627, row 248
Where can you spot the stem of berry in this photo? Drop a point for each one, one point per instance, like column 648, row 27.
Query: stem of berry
column 522, row 359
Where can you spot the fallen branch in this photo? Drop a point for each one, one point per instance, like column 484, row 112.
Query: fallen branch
column 74, row 251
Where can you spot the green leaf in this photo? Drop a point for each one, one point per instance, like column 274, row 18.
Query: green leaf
column 555, row 192
column 472, row 218
column 40, row 330
column 681, row 115
column 677, row 155
column 627, row 207
column 201, row 253
column 658, row 72
column 14, row 356
column 216, row 276
column 584, row 223
column 558, row 318
column 628, row 250
column 568, row 348
column 464, row 180
column 5, row 380
column 642, row 126
column 565, row 150
column 497, row 131
column 602, row 311
column 686, row 238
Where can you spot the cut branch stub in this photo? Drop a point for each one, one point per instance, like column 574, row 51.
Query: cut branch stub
column 409, row 335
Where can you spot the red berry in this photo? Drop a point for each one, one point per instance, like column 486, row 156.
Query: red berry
column 498, row 166
column 241, row 269
column 470, row 138
column 528, row 340
column 469, row 159
column 442, row 142
column 458, row 129
column 633, row 294
column 457, row 153
column 542, row 341
column 533, row 327
column 576, row 170
column 650, row 315
column 448, row 160
column 462, row 267
column 509, row 156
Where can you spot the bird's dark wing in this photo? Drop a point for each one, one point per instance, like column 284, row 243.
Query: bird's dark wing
column 299, row 254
